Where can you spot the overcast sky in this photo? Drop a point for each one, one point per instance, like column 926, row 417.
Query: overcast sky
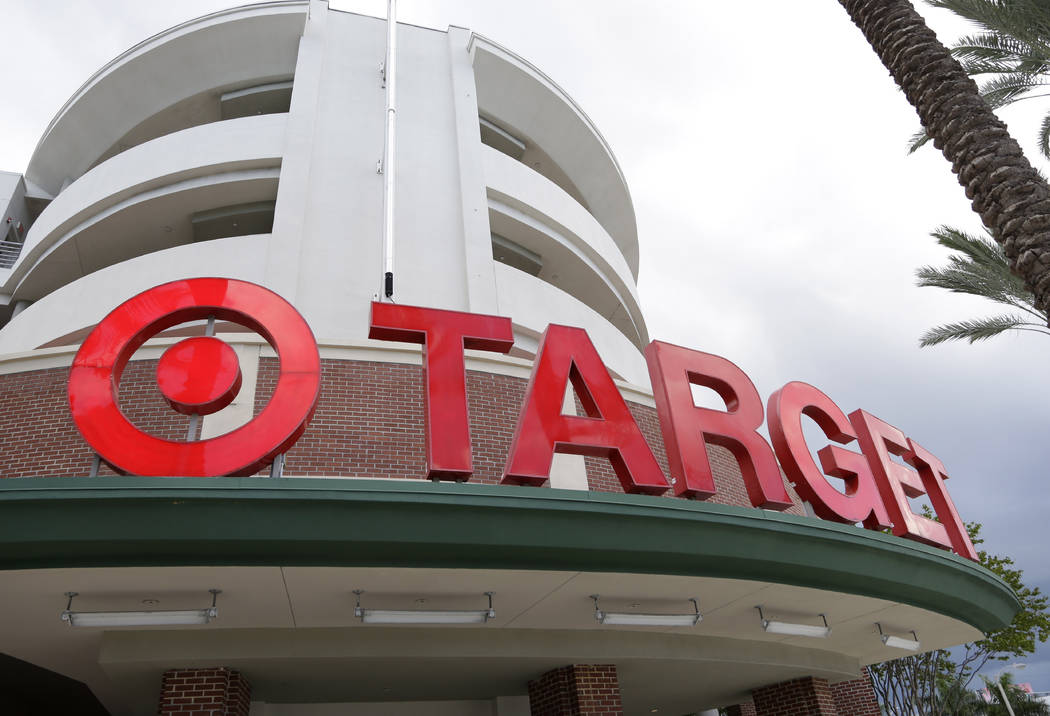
column 780, row 218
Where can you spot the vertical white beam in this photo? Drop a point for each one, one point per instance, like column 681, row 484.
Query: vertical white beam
column 482, row 296
column 389, row 149
column 284, row 249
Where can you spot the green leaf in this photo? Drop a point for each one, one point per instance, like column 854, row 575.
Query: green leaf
column 1004, row 89
column 917, row 140
column 981, row 270
column 1044, row 136
column 979, row 329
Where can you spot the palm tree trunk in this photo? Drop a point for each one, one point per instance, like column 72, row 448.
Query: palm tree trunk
column 1012, row 199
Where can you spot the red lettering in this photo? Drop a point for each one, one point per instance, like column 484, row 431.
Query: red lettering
column 898, row 483
column 861, row 501
column 444, row 335
column 687, row 427
column 567, row 354
column 933, row 475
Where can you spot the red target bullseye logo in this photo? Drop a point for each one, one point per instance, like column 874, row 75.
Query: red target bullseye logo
column 199, row 375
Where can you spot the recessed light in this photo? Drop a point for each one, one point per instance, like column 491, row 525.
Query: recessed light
column 151, row 602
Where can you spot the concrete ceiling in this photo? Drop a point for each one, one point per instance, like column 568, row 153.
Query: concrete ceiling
column 292, row 632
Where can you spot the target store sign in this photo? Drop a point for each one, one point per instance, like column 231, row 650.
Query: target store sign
column 200, row 375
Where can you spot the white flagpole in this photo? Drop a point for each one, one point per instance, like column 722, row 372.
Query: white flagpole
column 389, row 161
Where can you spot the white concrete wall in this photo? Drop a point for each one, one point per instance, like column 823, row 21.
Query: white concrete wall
column 575, row 247
column 532, row 304
column 325, row 251
column 86, row 301
column 334, row 216
column 523, row 99
column 148, row 169
column 231, row 48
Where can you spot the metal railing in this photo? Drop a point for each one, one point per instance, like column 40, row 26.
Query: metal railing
column 9, row 252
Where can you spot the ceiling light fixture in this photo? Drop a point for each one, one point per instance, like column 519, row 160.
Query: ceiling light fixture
column 899, row 642
column 145, row 618
column 639, row 619
column 422, row 616
column 790, row 629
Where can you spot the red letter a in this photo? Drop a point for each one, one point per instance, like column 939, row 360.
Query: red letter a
column 610, row 430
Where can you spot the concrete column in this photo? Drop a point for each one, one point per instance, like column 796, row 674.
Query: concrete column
column 477, row 238
column 284, row 247
column 212, row 691
column 808, row 695
column 577, row 690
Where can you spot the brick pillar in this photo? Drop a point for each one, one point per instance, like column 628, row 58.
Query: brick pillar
column 578, row 690
column 746, row 709
column 808, row 695
column 214, row 691
column 856, row 697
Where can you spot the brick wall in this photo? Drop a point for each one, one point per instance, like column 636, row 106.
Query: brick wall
column 799, row 697
column 39, row 436
column 214, row 691
column 368, row 423
column 745, row 709
column 578, row 690
column 856, row 697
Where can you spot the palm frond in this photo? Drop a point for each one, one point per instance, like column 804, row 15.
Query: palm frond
column 981, row 270
column 984, row 66
column 1023, row 19
column 917, row 140
column 997, row 47
column 978, row 267
column 979, row 329
column 1004, row 89
column 982, row 249
column 1044, row 136
column 967, row 280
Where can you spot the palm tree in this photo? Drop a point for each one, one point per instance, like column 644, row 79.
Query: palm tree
column 979, row 269
column 958, row 700
column 1012, row 49
column 1011, row 198
column 1020, row 703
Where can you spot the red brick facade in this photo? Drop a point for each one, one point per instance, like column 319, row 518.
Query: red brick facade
column 799, row 697
column 214, row 691
column 368, row 423
column 746, row 709
column 578, row 690
column 856, row 697
column 40, row 438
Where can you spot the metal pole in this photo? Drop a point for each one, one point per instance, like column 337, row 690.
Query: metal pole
column 191, row 429
column 1006, row 701
column 389, row 161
